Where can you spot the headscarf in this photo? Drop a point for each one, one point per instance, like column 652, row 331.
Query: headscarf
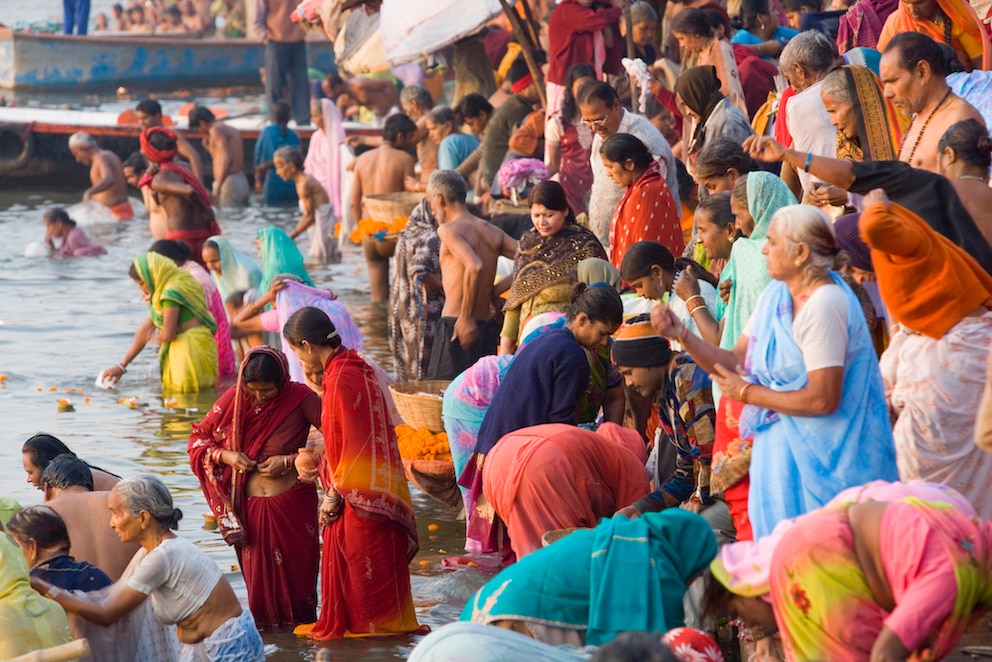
column 235, row 423
column 8, row 507
column 626, row 437
column 155, row 155
column 583, row 581
column 597, row 270
column 542, row 262
column 879, row 131
column 960, row 14
column 28, row 622
column 766, row 194
column 163, row 158
column 169, row 283
column 864, row 57
column 238, row 271
column 699, row 88
column 323, row 161
column 279, row 256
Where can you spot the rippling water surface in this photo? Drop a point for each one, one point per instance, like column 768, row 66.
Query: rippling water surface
column 62, row 321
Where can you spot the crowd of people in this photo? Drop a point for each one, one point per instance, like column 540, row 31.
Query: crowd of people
column 188, row 18
column 737, row 344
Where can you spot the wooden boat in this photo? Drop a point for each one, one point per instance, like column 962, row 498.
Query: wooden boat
column 48, row 62
column 34, row 142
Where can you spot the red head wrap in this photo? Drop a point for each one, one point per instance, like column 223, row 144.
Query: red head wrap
column 521, row 85
column 156, row 155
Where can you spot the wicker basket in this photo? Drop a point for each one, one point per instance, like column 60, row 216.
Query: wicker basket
column 386, row 207
column 420, row 411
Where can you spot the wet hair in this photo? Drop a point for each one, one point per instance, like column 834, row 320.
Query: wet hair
column 811, row 49
column 82, row 139
column 552, row 196
column 42, row 526
column 641, row 256
column 600, row 304
column 635, row 647
column 149, row 107
column 914, row 47
column 313, row 326
column 290, row 155
column 836, row 87
column 161, row 141
column 419, row 95
column 569, row 108
column 395, row 126
column 449, row 185
column 623, row 147
column 59, row 215
column 200, row 114
column 473, row 105
column 692, row 22
column 261, row 368
column 42, row 448
column 717, row 208
column 67, row 470
column 751, row 10
column 177, row 251
column 718, row 156
column 281, row 112
column 136, row 161
column 808, row 225
column 148, row 493
column 597, row 90
column 442, row 115
column 970, row 141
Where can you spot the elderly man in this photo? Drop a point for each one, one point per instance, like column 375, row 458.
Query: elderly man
column 68, row 486
column 601, row 111
column 912, row 71
column 416, row 101
column 805, row 62
column 149, row 114
column 470, row 248
column 109, row 187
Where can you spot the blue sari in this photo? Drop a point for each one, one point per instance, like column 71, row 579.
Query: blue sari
column 623, row 575
column 799, row 463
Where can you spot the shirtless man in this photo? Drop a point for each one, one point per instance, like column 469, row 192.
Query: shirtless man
column 68, row 486
column 383, row 170
column 109, row 187
column 318, row 212
column 912, row 71
column 227, row 153
column 149, row 114
column 417, row 102
column 379, row 96
column 470, row 247
column 176, row 192
column 135, row 167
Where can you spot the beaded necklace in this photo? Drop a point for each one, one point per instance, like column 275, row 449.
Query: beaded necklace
column 923, row 129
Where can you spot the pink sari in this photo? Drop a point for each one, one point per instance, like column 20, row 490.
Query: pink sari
column 227, row 366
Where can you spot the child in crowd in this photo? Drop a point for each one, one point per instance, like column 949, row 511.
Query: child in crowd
column 74, row 242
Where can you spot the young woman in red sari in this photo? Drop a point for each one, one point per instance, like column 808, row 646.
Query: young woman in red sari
column 647, row 211
column 370, row 534
column 243, row 452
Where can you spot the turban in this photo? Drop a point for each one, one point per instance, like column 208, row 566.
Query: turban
column 157, row 155
column 636, row 345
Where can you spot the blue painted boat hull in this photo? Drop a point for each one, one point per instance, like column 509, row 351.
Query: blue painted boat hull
column 147, row 62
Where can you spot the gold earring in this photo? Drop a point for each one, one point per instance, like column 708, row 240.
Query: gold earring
column 799, row 262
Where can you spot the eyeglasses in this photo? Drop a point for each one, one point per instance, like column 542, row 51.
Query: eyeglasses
column 592, row 124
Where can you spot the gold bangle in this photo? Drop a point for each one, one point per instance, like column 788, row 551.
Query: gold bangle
column 695, row 296
column 692, row 311
column 743, row 391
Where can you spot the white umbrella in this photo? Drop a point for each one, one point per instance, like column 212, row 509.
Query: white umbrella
column 414, row 29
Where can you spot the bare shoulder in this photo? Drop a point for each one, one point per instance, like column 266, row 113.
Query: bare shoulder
column 961, row 109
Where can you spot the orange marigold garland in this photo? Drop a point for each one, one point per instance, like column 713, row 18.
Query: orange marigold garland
column 378, row 229
column 422, row 444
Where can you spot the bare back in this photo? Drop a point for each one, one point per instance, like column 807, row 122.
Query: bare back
column 226, row 148
column 180, row 202
column 465, row 239
column 381, row 170
column 107, row 164
column 379, row 95
column 976, row 197
column 924, row 155
column 87, row 517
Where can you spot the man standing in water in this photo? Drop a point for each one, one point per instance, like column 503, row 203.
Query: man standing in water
column 470, row 248
column 177, row 192
column 149, row 114
column 106, row 174
column 227, row 152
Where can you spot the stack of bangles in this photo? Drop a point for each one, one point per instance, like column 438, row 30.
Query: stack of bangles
column 699, row 306
column 332, row 499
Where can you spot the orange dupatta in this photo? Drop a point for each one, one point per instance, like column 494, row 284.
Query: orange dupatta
column 959, row 12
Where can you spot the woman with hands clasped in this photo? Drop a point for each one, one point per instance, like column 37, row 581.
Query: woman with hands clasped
column 806, row 370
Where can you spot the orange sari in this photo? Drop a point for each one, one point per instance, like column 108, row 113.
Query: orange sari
column 966, row 35
column 365, row 578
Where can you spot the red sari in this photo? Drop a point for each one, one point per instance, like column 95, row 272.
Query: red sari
column 365, row 579
column 646, row 213
column 275, row 536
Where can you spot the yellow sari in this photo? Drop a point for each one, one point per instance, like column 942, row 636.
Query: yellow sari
column 189, row 362
column 28, row 622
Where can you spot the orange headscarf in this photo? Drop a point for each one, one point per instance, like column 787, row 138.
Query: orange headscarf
column 928, row 283
column 959, row 12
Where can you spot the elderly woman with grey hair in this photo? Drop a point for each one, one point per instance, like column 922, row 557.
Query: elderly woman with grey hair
column 453, row 147
column 186, row 587
column 813, row 392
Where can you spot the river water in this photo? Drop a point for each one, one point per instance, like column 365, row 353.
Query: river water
column 64, row 320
